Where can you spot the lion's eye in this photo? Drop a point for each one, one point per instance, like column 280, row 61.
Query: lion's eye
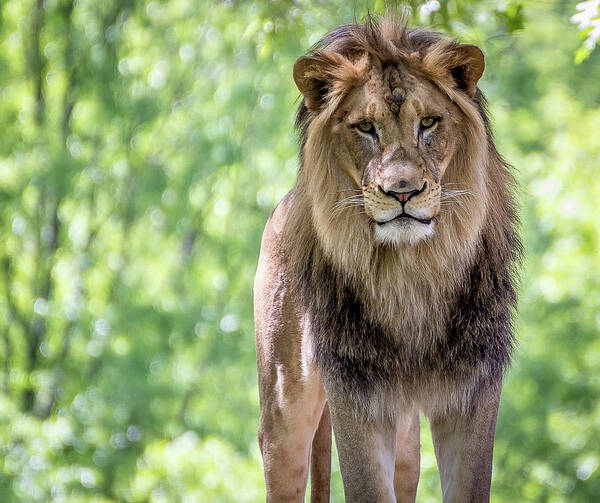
column 428, row 122
column 366, row 127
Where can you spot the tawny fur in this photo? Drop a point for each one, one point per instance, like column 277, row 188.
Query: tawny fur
column 418, row 325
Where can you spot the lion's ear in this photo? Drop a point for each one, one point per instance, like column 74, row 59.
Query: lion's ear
column 317, row 75
column 467, row 68
column 311, row 80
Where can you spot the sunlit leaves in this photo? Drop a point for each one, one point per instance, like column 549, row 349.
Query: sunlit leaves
column 587, row 19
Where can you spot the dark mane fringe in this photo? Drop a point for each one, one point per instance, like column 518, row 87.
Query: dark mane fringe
column 365, row 357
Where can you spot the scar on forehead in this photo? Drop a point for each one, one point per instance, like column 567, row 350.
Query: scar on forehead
column 398, row 96
column 394, row 98
column 371, row 109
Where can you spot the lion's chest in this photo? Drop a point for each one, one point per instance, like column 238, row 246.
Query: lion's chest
column 433, row 348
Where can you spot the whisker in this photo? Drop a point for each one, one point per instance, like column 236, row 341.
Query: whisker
column 451, row 183
column 349, row 199
column 453, row 193
column 337, row 209
column 347, row 203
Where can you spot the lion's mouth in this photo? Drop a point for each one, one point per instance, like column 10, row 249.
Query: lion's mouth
column 425, row 221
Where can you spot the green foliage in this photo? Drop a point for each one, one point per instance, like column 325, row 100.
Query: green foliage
column 588, row 21
column 144, row 145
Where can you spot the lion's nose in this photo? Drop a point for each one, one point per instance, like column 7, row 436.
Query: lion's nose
column 403, row 195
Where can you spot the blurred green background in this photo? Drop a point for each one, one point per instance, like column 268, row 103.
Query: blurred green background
column 143, row 146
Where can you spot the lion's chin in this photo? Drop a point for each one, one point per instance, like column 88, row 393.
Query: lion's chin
column 403, row 232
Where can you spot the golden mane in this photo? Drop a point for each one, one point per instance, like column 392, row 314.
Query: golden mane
column 412, row 282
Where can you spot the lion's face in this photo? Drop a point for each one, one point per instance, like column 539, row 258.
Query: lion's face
column 394, row 136
column 387, row 122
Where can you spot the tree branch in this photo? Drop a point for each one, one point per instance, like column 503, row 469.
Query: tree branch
column 37, row 62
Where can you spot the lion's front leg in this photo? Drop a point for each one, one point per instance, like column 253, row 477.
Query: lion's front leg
column 463, row 447
column 408, row 458
column 366, row 450
column 289, row 416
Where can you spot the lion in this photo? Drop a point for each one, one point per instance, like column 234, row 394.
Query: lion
column 385, row 286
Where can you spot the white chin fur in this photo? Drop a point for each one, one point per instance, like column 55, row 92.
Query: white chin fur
column 403, row 231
